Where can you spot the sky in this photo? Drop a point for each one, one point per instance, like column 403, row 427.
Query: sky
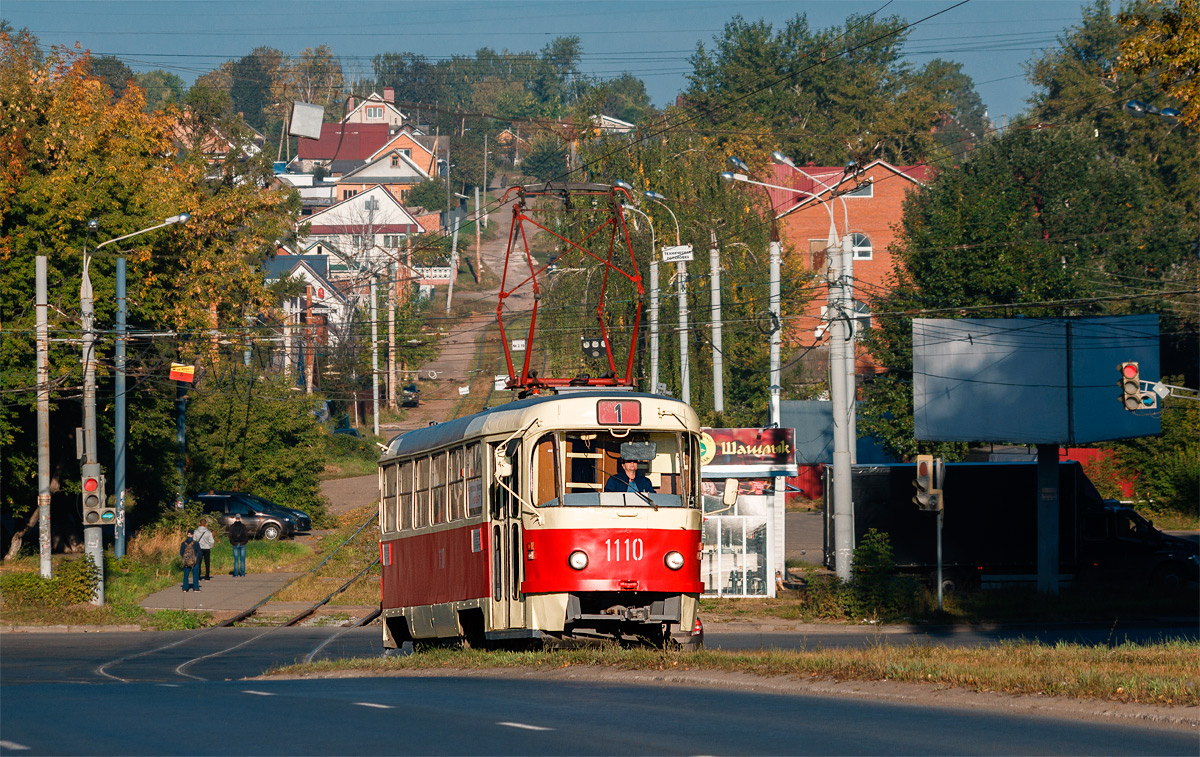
column 652, row 39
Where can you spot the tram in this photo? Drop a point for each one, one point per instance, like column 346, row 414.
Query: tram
column 496, row 527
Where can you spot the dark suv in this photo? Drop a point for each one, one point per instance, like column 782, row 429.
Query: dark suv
column 261, row 521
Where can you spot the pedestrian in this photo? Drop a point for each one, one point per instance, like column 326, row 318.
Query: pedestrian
column 205, row 539
column 238, row 536
column 189, row 555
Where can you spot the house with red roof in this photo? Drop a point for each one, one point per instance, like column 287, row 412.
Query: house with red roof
column 867, row 204
column 375, row 109
column 349, row 145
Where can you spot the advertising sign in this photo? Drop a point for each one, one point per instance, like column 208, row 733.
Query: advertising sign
column 681, row 253
column 747, row 452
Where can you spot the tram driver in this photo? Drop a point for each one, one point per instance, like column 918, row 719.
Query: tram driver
column 629, row 479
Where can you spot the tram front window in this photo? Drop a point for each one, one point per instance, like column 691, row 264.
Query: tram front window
column 577, row 468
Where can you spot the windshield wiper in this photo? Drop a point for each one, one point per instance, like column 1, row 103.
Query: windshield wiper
column 649, row 501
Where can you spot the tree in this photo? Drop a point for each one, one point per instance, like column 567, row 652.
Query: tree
column 1166, row 41
column 1038, row 216
column 430, row 194
column 252, row 79
column 163, row 89
column 547, row 159
column 315, row 77
column 74, row 155
column 828, row 96
column 114, row 73
column 624, row 97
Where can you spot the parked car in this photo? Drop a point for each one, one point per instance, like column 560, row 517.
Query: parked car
column 262, row 522
column 302, row 519
column 411, row 396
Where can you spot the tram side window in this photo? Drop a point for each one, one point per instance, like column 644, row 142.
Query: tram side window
column 389, row 496
column 545, row 470
column 421, row 500
column 437, row 487
column 404, row 489
column 474, row 480
column 457, row 471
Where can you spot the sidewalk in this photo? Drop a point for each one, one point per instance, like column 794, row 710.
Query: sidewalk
column 223, row 595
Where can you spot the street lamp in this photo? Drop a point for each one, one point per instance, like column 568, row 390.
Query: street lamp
column 1139, row 109
column 653, row 285
column 685, row 378
column 93, row 545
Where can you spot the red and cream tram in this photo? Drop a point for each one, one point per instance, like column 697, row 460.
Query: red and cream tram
column 496, row 527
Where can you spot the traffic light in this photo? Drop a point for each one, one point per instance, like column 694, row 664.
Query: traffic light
column 96, row 511
column 593, row 346
column 928, row 497
column 1132, row 396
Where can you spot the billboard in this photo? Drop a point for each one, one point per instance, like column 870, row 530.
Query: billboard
column 1030, row 380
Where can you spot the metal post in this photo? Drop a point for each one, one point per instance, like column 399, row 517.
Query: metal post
column 851, row 354
column 43, row 417
column 309, row 359
column 374, row 356
column 287, row 338
column 1047, row 519
column 93, row 543
column 485, row 186
column 119, row 413
column 718, row 358
column 180, row 439
column 843, row 513
column 478, row 254
column 939, row 559
column 685, row 376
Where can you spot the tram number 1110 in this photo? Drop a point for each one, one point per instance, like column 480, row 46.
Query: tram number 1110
column 634, row 549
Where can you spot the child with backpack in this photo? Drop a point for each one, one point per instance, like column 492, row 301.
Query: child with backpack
column 189, row 554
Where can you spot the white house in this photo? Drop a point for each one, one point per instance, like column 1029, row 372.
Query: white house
column 366, row 231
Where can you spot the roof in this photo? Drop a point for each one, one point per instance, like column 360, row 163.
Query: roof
column 384, row 178
column 820, row 180
column 514, row 415
column 358, row 142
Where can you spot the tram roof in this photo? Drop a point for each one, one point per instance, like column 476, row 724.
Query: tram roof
column 509, row 417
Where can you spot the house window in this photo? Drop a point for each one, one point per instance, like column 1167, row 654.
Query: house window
column 406, row 152
column 371, row 204
column 860, row 244
column 375, row 112
column 866, row 190
column 348, row 193
column 395, row 161
column 391, row 240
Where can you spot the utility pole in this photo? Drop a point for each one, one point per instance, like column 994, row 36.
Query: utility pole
column 93, row 543
column 43, row 416
column 843, row 515
column 453, row 264
column 485, row 188
column 685, row 375
column 653, row 317
column 851, row 360
column 391, row 305
column 374, row 354
column 478, row 270
column 119, row 413
column 287, row 338
column 718, row 358
column 309, row 362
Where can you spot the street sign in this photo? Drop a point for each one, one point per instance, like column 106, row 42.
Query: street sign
column 518, row 345
column 677, row 253
column 464, row 391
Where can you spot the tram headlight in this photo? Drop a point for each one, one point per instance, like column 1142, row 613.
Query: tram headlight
column 578, row 559
column 674, row 560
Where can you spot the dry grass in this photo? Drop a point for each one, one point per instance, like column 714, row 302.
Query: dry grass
column 1160, row 674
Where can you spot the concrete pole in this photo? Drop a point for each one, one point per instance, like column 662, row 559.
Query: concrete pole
column 685, row 375
column 718, row 358
column 843, row 514
column 653, row 321
column 287, row 338
column 180, row 439
column 851, row 353
column 453, row 264
column 43, row 417
column 776, row 254
column 485, row 188
column 119, row 413
column 391, row 356
column 478, row 255
column 309, row 362
column 93, row 543
column 374, row 356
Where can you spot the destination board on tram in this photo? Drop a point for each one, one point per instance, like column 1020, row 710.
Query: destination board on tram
column 619, row 412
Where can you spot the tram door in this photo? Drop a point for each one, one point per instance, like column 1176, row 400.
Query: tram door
column 508, row 609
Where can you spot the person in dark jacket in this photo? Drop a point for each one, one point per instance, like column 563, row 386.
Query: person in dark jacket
column 629, row 479
column 189, row 555
column 238, row 536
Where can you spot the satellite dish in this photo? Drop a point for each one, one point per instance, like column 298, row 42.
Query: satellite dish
column 306, row 120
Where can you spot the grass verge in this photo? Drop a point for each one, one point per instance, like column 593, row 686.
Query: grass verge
column 1160, row 674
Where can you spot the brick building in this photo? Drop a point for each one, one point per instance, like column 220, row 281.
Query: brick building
column 871, row 213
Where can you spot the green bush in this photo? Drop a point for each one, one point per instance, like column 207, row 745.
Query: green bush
column 73, row 582
column 875, row 589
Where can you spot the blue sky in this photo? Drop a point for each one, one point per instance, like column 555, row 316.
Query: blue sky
column 651, row 39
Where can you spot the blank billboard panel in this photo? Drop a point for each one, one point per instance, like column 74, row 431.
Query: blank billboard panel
column 1030, row 381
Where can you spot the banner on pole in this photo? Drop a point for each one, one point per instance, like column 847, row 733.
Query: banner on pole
column 181, row 372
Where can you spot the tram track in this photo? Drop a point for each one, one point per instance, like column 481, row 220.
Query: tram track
column 107, row 670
